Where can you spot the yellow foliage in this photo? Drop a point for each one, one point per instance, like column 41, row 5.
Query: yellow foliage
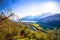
column 12, row 31
column 35, row 24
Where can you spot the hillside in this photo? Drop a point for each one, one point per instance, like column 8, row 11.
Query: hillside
column 36, row 17
column 51, row 21
column 10, row 30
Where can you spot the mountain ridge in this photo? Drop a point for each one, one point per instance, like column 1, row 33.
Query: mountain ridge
column 37, row 17
column 50, row 21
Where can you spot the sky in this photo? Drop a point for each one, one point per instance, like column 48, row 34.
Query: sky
column 24, row 8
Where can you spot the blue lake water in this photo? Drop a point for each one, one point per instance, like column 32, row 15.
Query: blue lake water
column 29, row 21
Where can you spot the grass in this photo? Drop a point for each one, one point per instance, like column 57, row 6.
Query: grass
column 18, row 31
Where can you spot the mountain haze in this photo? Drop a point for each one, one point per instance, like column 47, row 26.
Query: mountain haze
column 50, row 21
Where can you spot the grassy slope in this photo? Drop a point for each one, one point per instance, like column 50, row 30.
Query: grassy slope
column 13, row 31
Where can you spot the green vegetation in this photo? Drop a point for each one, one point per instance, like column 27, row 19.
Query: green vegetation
column 19, row 31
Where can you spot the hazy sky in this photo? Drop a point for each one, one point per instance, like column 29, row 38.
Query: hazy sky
column 31, row 7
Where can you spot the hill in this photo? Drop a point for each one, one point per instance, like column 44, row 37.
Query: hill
column 37, row 17
column 10, row 30
column 50, row 21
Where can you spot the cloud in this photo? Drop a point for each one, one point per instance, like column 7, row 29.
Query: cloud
column 36, row 9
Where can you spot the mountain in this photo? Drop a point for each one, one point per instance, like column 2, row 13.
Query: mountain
column 36, row 18
column 50, row 21
column 29, row 18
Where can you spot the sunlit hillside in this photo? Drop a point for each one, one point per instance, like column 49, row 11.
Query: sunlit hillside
column 10, row 30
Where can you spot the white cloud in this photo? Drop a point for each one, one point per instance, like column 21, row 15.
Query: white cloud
column 36, row 9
